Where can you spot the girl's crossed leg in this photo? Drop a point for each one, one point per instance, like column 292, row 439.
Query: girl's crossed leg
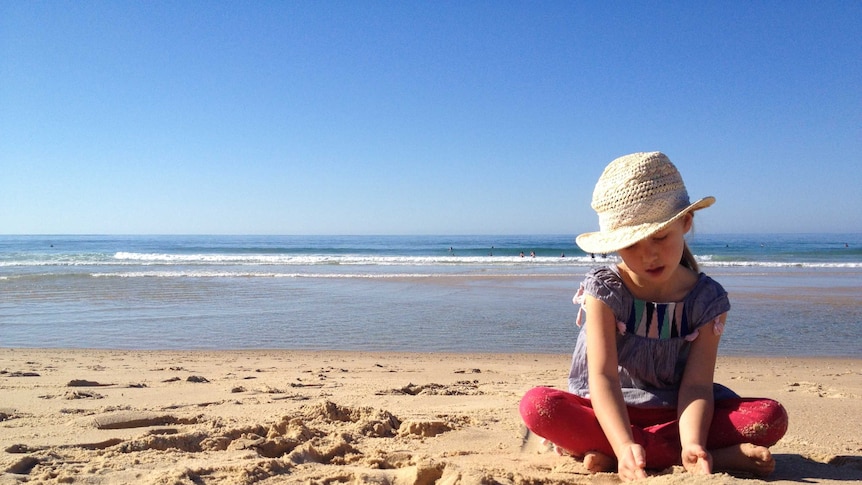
column 741, row 431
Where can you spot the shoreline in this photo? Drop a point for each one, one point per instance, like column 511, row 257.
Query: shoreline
column 360, row 353
column 727, row 354
column 230, row 416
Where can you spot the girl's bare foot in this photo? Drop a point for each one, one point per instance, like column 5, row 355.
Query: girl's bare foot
column 746, row 457
column 599, row 462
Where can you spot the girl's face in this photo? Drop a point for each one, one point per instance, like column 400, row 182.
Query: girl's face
column 654, row 260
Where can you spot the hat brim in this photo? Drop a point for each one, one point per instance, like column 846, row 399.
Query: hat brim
column 612, row 241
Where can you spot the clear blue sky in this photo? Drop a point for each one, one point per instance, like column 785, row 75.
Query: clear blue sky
column 409, row 117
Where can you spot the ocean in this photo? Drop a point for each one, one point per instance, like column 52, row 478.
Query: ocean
column 791, row 294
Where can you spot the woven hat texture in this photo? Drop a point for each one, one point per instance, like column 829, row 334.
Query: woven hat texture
column 636, row 196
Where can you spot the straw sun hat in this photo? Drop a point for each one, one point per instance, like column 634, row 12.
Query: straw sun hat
column 637, row 196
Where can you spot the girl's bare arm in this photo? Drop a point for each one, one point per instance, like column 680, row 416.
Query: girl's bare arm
column 605, row 391
column 695, row 403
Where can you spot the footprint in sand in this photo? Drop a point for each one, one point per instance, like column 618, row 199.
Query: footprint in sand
column 818, row 389
column 460, row 388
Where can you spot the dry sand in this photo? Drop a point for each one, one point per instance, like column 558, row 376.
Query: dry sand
column 266, row 417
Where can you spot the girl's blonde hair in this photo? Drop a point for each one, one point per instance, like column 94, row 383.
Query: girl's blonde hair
column 688, row 259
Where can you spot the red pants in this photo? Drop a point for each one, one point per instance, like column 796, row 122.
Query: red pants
column 569, row 422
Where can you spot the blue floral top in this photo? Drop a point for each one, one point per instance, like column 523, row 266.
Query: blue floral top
column 653, row 339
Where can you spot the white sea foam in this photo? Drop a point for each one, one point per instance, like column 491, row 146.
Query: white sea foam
column 371, row 276
column 344, row 259
column 234, row 274
column 219, row 259
column 776, row 264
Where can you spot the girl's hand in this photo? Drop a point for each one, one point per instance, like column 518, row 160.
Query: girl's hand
column 697, row 460
column 631, row 462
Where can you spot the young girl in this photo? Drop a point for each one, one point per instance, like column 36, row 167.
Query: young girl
column 641, row 392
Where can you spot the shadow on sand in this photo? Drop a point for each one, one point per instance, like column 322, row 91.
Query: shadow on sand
column 797, row 468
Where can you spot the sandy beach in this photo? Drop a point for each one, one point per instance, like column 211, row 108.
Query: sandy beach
column 171, row 417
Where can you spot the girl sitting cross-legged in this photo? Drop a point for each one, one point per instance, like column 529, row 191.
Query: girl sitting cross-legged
column 641, row 391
